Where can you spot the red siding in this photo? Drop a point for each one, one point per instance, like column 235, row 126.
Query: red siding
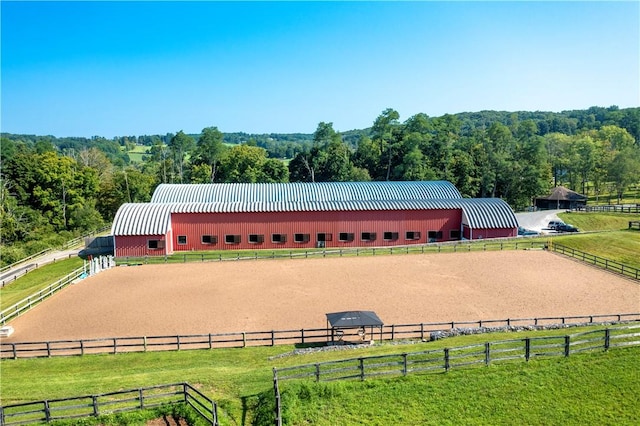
column 195, row 225
column 477, row 234
column 138, row 245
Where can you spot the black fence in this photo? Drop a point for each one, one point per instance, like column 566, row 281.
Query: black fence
column 110, row 403
column 435, row 361
column 600, row 262
column 318, row 336
column 610, row 208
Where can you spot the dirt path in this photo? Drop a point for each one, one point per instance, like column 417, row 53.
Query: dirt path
column 293, row 294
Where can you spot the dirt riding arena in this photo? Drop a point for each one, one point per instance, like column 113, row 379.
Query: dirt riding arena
column 198, row 298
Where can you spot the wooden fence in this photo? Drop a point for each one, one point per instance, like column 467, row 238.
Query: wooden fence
column 29, row 302
column 600, row 262
column 634, row 224
column 446, row 247
column 612, row 208
column 435, row 361
column 320, row 336
column 110, row 403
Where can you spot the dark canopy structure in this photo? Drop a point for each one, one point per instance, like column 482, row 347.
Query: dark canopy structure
column 353, row 319
column 561, row 198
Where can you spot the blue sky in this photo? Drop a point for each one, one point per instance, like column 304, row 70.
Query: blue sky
column 134, row 68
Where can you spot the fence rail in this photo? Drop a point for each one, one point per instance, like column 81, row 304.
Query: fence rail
column 445, row 247
column 463, row 356
column 318, row 336
column 601, row 262
column 611, row 208
column 110, row 403
column 27, row 303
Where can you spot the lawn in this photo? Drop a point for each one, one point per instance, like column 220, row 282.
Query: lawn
column 238, row 378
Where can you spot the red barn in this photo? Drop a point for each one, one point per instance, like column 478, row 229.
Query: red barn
column 305, row 215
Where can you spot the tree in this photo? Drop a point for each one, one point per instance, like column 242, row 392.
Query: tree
column 209, row 150
column 624, row 170
column 180, row 146
column 383, row 133
column 249, row 164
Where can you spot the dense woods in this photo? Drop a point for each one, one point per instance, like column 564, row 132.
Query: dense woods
column 55, row 187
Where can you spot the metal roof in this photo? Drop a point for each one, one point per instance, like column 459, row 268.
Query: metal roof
column 142, row 219
column 303, row 192
column 353, row 319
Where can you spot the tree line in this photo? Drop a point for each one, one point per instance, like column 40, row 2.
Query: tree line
column 52, row 186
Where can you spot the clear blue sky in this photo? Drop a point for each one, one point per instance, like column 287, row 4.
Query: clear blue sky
column 133, row 68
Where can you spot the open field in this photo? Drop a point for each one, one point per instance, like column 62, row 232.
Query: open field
column 292, row 294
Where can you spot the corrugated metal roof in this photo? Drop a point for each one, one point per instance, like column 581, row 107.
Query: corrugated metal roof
column 303, row 192
column 488, row 213
column 142, row 219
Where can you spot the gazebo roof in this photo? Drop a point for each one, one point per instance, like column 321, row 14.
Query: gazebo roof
column 353, row 319
column 561, row 193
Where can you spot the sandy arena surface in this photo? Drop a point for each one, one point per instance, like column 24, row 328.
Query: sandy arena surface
column 200, row 298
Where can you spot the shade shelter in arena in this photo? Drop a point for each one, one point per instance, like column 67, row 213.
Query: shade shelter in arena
column 339, row 321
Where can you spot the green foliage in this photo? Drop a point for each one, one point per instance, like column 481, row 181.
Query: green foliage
column 620, row 246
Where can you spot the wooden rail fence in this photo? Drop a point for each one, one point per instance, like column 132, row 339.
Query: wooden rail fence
column 110, row 403
column 611, row 208
column 600, row 262
column 482, row 354
column 319, row 336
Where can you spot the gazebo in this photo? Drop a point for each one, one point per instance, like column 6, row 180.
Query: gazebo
column 339, row 321
column 561, row 198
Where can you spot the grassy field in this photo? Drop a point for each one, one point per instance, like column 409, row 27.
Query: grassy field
column 36, row 280
column 238, row 378
column 599, row 221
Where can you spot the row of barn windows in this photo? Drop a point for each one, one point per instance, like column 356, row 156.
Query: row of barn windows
column 305, row 238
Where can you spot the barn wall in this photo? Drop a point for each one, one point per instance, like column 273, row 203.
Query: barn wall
column 194, row 225
column 493, row 233
column 137, row 245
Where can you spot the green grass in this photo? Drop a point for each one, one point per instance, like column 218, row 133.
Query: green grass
column 620, row 246
column 597, row 388
column 599, row 221
column 36, row 280
column 235, row 378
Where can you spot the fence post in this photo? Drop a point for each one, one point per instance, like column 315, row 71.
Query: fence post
column 447, row 365
column 567, row 343
column 210, row 342
column 607, row 339
column 273, row 338
column 302, row 336
column 48, row 350
column 487, row 353
column 144, row 343
column 317, row 372
column 178, row 341
column 114, row 346
column 244, row 339
column 421, row 331
column 361, row 366
column 81, row 347
column 404, row 364
column 141, row 396
column 96, row 413
column 393, row 332
column 527, row 348
column 47, row 411
column 15, row 352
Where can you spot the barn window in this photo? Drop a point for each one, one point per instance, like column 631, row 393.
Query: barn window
column 232, row 239
column 209, row 239
column 454, row 234
column 279, row 238
column 322, row 236
column 368, row 236
column 256, row 238
column 390, row 236
column 434, row 236
column 182, row 239
column 345, row 237
column 155, row 244
column 301, row 238
column 412, row 235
